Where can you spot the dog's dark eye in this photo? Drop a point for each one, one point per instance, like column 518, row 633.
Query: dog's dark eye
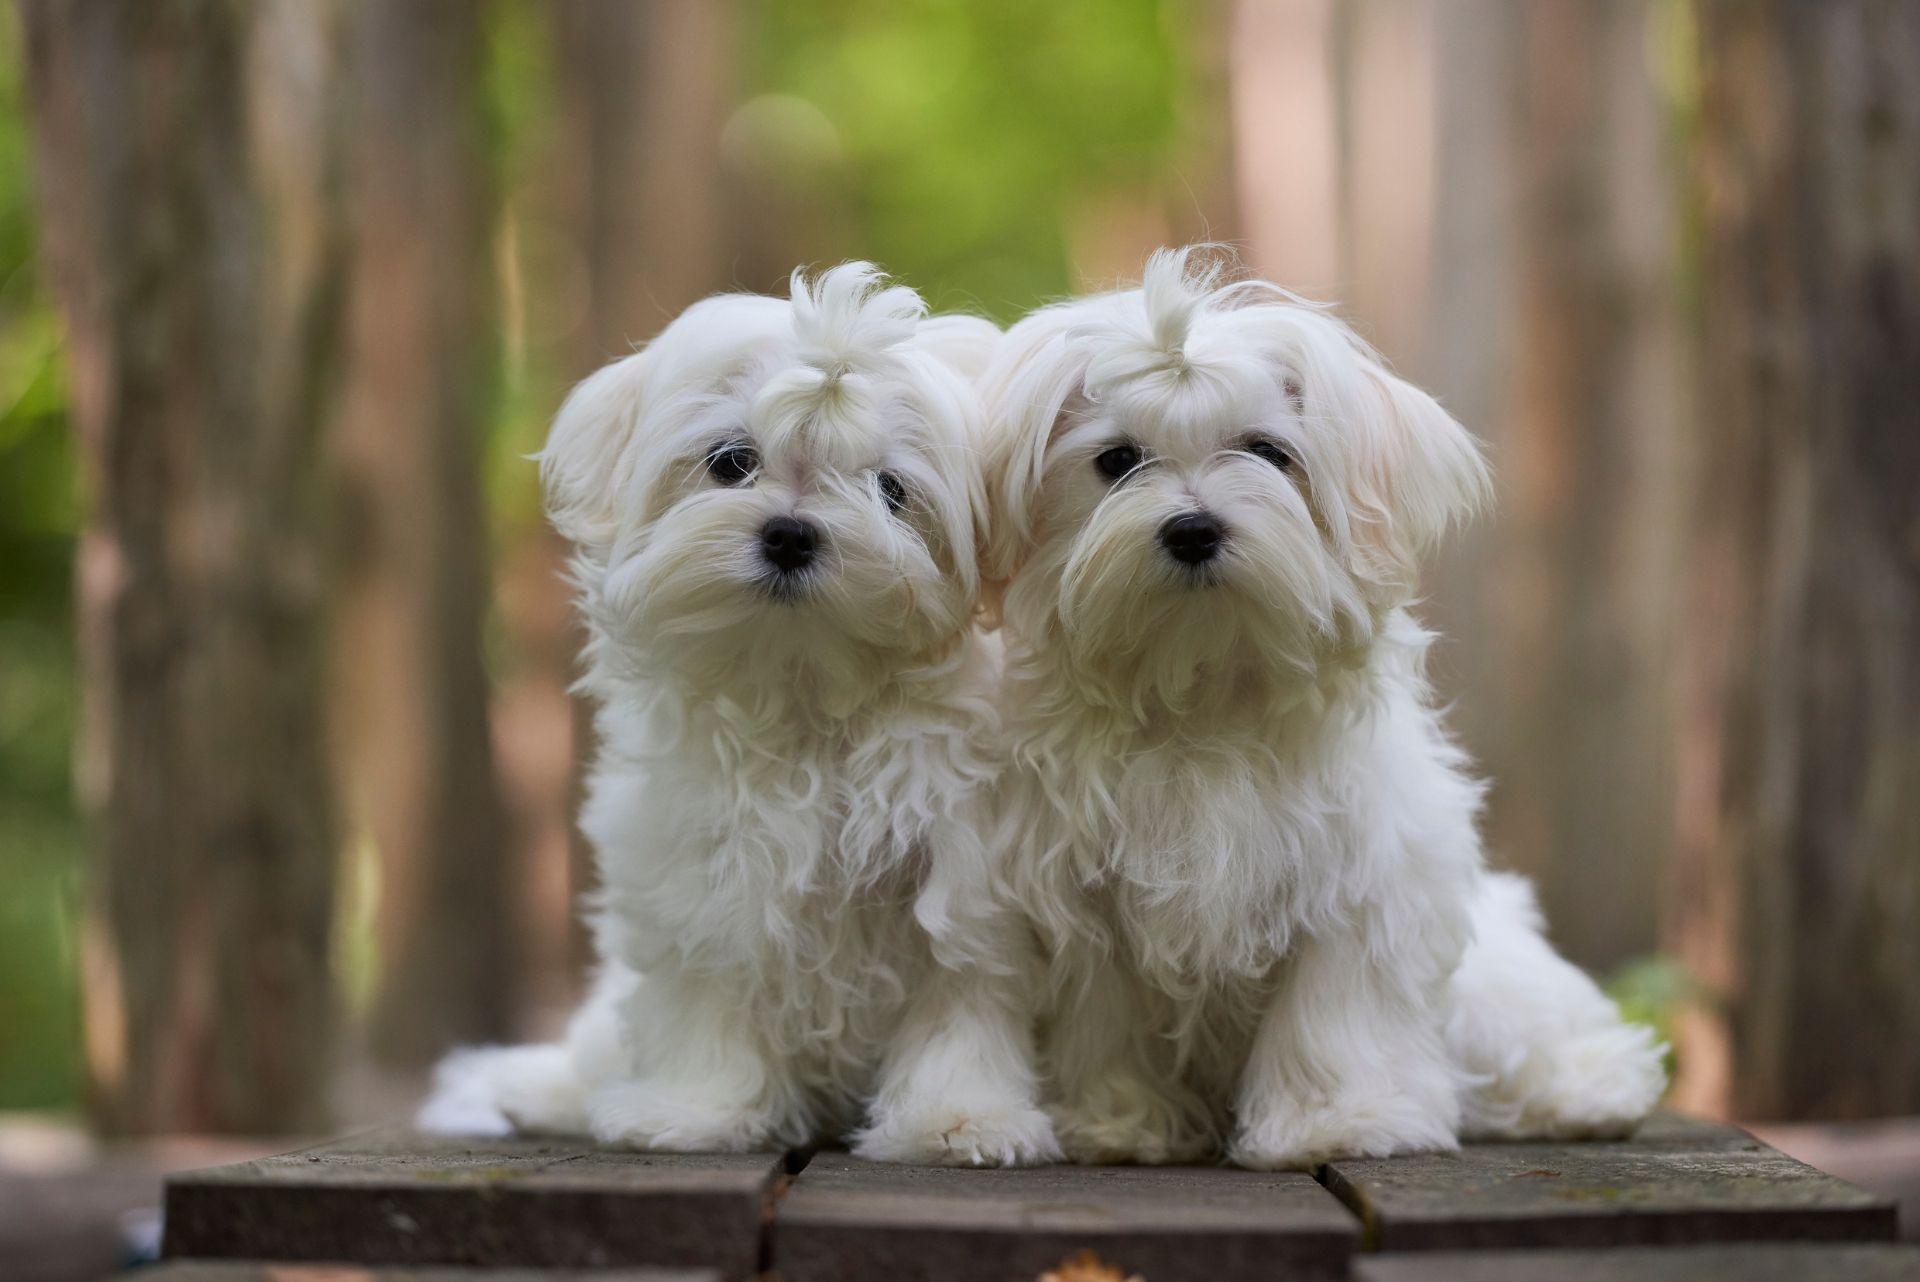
column 1271, row 452
column 732, row 463
column 892, row 491
column 1118, row 461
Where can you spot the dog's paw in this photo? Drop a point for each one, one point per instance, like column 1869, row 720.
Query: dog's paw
column 1121, row 1117
column 493, row 1091
column 1011, row 1133
column 1599, row 1084
column 1296, row 1137
column 470, row 1115
column 1095, row 1138
column 641, row 1115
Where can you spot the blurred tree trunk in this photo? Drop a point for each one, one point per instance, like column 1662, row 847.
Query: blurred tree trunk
column 1797, row 901
column 645, row 90
column 1287, row 62
column 188, row 193
column 1585, row 572
column 1387, row 184
column 644, row 94
column 412, row 548
column 1472, row 333
column 1201, row 196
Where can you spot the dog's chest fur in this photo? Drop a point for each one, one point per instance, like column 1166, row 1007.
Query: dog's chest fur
column 726, row 841
column 1212, row 858
column 1204, row 859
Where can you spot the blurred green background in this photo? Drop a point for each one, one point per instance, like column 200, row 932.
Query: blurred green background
column 39, row 834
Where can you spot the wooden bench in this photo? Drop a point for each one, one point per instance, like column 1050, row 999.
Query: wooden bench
column 1680, row 1200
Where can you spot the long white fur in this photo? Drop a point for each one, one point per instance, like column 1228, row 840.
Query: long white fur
column 1234, row 816
column 796, row 932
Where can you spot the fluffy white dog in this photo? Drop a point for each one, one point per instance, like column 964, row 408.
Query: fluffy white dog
column 1240, row 828
column 777, row 506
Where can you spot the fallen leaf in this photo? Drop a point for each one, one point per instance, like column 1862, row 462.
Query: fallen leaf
column 1085, row 1266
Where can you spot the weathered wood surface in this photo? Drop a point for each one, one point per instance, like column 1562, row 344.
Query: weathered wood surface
column 258, row 1271
column 1747, row 1262
column 394, row 1200
column 399, row 1198
column 844, row 1218
column 1677, row 1181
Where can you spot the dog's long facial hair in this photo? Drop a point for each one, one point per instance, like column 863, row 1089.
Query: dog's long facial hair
column 775, row 502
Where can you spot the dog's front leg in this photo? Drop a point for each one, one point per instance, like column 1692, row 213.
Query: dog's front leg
column 703, row 1079
column 958, row 1085
column 1116, row 1094
column 1349, row 1059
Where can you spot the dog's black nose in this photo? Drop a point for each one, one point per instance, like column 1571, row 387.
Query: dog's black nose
column 789, row 543
column 1192, row 538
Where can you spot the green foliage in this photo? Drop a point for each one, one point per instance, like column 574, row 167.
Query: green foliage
column 518, row 102
column 1651, row 990
column 969, row 135
column 39, row 836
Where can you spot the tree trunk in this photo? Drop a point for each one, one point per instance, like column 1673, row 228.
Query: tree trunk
column 1387, row 186
column 412, row 554
column 187, row 188
column 1590, row 512
column 1287, row 61
column 1472, row 334
column 644, row 96
column 1797, row 903
column 1201, row 194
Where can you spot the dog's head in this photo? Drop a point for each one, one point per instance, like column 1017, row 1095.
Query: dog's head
column 1196, row 483
column 778, row 492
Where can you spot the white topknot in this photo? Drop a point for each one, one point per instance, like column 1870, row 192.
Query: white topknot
column 849, row 320
column 854, row 332
column 1155, row 348
column 1175, row 290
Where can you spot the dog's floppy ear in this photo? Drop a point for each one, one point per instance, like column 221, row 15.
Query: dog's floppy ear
column 1418, row 474
column 962, row 346
column 586, row 461
column 1036, row 376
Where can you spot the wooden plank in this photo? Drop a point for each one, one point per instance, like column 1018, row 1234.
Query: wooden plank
column 1676, row 1182
column 1880, row 1155
column 1739, row 1262
column 260, row 1271
column 844, row 1220
column 395, row 1197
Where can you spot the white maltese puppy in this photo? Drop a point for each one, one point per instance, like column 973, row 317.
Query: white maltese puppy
column 777, row 507
column 1236, row 819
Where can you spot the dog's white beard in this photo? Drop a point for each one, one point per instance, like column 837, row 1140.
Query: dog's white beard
column 1148, row 636
column 696, row 604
